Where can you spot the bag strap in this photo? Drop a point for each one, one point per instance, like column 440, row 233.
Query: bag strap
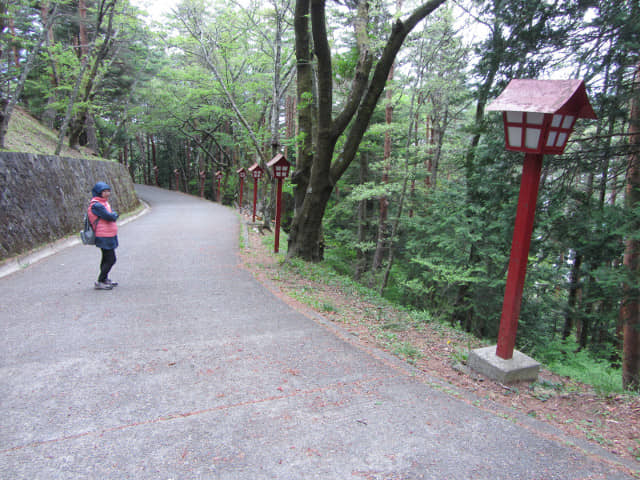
column 91, row 204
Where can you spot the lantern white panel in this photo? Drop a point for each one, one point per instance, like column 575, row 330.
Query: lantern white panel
column 568, row 122
column 551, row 140
column 515, row 117
column 535, row 118
column 515, row 137
column 557, row 121
column 532, row 139
column 562, row 139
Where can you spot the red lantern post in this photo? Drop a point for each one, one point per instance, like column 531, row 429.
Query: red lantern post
column 242, row 173
column 280, row 167
column 538, row 116
column 520, row 244
column 256, row 173
column 219, row 177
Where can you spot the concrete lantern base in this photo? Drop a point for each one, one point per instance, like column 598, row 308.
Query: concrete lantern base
column 519, row 368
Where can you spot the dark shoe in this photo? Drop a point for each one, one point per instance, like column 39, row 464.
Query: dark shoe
column 102, row 286
column 108, row 281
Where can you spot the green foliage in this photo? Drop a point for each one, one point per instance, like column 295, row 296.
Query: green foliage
column 18, row 36
column 636, row 451
column 345, row 64
column 567, row 359
column 406, row 351
column 460, row 355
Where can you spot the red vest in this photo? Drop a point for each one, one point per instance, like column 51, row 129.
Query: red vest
column 105, row 228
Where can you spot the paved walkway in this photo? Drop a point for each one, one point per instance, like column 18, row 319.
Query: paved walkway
column 190, row 369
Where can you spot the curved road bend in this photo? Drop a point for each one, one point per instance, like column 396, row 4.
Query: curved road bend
column 190, row 369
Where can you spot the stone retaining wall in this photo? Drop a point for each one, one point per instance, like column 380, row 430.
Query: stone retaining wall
column 43, row 198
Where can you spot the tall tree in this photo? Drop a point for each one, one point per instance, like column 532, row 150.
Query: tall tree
column 105, row 32
column 383, row 228
column 631, row 300
column 215, row 46
column 318, row 165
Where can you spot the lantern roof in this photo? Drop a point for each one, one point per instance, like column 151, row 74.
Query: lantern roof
column 568, row 97
column 240, row 170
column 255, row 166
column 279, row 159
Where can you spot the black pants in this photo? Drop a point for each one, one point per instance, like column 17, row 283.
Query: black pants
column 108, row 261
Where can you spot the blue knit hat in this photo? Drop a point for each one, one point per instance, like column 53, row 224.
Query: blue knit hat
column 98, row 188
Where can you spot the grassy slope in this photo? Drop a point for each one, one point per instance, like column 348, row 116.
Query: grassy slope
column 26, row 134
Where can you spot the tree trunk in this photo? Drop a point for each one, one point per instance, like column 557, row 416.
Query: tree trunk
column 77, row 122
column 304, row 72
column 361, row 256
column 82, row 28
column 383, row 228
column 631, row 302
column 90, row 130
column 125, row 155
column 106, row 10
column 574, row 288
column 154, row 160
column 307, row 226
column 132, row 166
column 442, row 125
column 142, row 159
column 290, row 121
column 394, row 230
column 15, row 50
column 428, row 164
column 583, row 326
column 76, row 127
column 274, row 123
column 149, row 159
column 49, row 115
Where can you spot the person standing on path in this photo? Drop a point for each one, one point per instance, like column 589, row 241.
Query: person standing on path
column 104, row 224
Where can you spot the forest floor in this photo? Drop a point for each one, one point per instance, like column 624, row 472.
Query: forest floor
column 611, row 421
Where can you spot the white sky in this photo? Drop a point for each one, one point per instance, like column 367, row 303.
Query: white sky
column 156, row 8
